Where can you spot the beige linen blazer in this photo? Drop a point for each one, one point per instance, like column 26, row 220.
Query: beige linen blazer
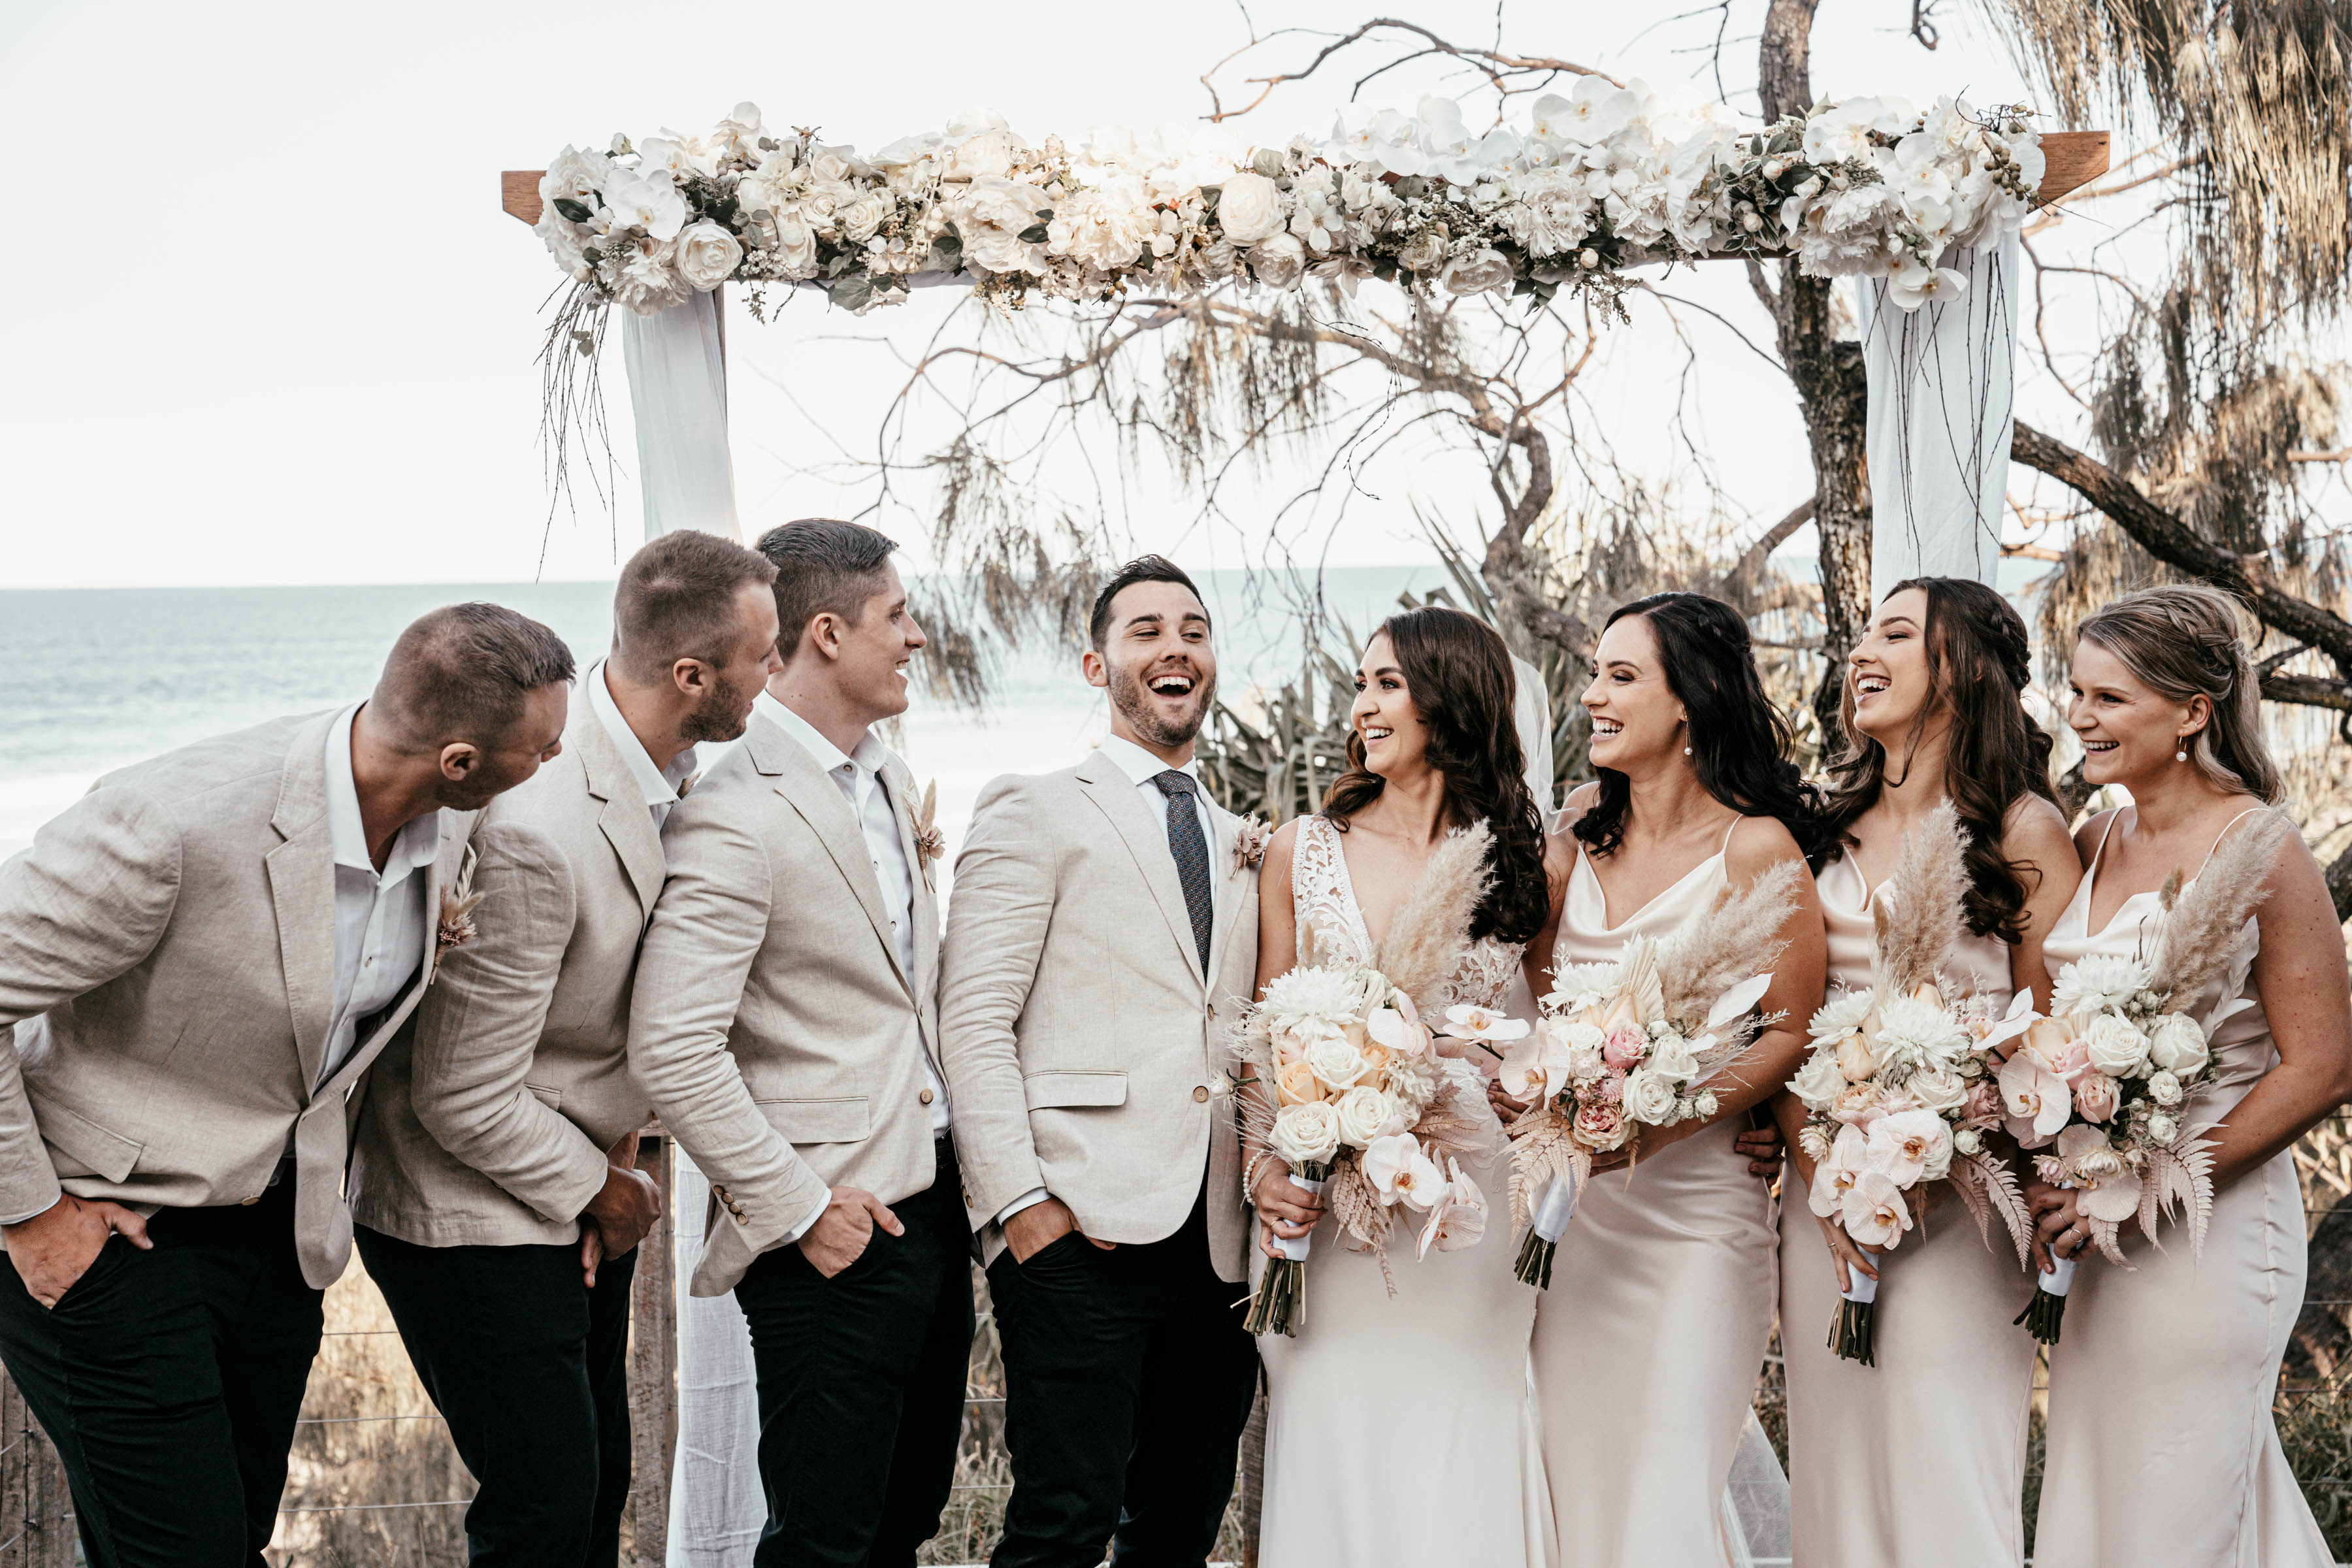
column 771, row 1026
column 488, row 1126
column 1085, row 1050
column 167, row 953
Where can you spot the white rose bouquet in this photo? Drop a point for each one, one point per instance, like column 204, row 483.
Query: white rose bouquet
column 1346, row 1086
column 1897, row 1090
column 1628, row 1045
column 2102, row 1083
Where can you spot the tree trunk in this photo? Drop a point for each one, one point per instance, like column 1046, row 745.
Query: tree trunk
column 1832, row 388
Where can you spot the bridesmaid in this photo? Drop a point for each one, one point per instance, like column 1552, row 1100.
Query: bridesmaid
column 1648, row 1342
column 1932, row 713
column 2161, row 1443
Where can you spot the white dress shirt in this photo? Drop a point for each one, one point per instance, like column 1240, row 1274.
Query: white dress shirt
column 659, row 785
column 859, row 778
column 1142, row 766
column 381, row 920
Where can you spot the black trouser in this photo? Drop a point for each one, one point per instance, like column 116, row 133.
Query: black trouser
column 1128, row 1380
column 529, row 1367
column 170, row 1380
column 862, row 1386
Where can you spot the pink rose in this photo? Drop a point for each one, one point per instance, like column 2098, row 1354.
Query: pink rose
column 2071, row 1061
column 1628, row 1047
column 1600, row 1126
column 2095, row 1096
column 1983, row 1103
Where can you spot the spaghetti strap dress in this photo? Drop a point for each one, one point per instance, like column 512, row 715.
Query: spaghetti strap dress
column 2161, row 1446
column 1399, row 1430
column 1919, row 1461
column 1648, row 1342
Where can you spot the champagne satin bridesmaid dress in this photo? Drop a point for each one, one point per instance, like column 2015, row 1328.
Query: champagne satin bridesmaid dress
column 1919, row 1461
column 1648, row 1342
column 2161, row 1443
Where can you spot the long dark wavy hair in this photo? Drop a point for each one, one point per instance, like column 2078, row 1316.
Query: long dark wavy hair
column 1978, row 661
column 1738, row 740
column 1459, row 677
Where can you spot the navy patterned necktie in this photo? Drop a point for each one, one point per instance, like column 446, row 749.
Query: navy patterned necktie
column 1190, row 848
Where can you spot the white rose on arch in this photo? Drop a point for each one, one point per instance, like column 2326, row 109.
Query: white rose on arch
column 992, row 215
column 1278, row 261
column 707, row 255
column 794, row 245
column 1250, row 209
column 1477, row 272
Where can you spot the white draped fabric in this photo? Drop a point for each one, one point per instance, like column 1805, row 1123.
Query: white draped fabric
column 677, row 391
column 1941, row 379
column 716, row 1503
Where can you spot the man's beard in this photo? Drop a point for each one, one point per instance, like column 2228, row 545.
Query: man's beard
column 722, row 715
column 1136, row 706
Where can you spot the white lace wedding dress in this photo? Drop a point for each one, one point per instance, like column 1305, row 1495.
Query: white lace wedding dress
column 1399, row 1430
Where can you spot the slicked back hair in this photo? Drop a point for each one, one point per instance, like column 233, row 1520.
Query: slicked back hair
column 461, row 672
column 1142, row 569
column 677, row 600
column 822, row 566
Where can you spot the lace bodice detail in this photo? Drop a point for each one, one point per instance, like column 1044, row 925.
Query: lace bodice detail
column 1325, row 903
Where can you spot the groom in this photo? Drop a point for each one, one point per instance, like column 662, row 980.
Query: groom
column 202, row 958
column 1104, row 933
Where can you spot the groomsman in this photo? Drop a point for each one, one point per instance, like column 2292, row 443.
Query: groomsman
column 494, row 1181
column 784, row 1025
column 1105, row 931
column 200, row 958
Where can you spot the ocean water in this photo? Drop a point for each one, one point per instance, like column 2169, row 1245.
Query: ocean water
column 92, row 680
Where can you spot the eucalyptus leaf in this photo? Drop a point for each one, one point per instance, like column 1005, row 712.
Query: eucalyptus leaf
column 572, row 209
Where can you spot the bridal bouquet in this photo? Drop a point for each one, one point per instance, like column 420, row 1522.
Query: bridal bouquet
column 1351, row 1094
column 1897, row 1091
column 2102, row 1081
column 1626, row 1045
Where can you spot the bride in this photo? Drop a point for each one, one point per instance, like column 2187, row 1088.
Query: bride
column 1398, row 1429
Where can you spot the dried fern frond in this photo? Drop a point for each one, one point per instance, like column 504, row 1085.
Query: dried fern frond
column 1989, row 1187
column 1740, row 936
column 1541, row 1149
column 1918, row 911
column 2200, row 933
column 1423, row 942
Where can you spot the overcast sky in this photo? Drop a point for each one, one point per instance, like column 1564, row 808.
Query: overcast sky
column 265, row 322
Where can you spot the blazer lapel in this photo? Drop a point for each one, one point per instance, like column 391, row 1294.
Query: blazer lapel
column 1108, row 785
column 820, row 803
column 901, row 784
column 626, row 821
column 1227, row 880
column 302, row 893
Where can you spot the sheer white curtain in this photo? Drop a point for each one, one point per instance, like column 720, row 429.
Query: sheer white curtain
column 677, row 392
column 1941, row 379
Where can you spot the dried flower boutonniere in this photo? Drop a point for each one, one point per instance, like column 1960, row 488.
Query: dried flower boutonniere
column 930, row 843
column 1249, row 843
column 459, row 902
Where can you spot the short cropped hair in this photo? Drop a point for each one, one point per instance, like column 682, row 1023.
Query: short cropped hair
column 822, row 566
column 1142, row 569
column 461, row 672
column 677, row 600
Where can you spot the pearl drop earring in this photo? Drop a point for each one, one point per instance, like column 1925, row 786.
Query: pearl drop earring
column 2181, row 755
column 1686, row 751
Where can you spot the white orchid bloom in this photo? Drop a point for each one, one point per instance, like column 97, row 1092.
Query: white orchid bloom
column 1915, row 284
column 1352, row 140
column 1396, row 144
column 1909, row 1144
column 2110, row 1190
column 646, row 200
column 1484, row 1025
column 1401, row 1173
column 2034, row 1097
column 1458, row 1218
column 1835, row 1172
column 1874, row 1212
column 1538, row 1066
column 1597, row 110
